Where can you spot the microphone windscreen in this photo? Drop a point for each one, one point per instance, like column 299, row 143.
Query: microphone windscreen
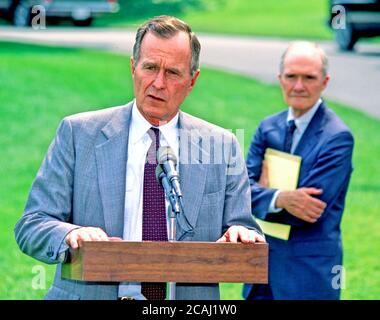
column 164, row 154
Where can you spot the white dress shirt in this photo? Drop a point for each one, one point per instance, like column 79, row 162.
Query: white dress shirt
column 138, row 144
column 301, row 125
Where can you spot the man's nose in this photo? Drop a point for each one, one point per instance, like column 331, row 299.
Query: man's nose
column 298, row 86
column 160, row 81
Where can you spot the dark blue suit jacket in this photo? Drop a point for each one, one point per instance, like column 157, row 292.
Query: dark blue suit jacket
column 303, row 266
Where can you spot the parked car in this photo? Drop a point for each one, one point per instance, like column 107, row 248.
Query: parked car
column 81, row 12
column 362, row 20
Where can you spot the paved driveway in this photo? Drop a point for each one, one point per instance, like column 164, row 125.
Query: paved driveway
column 355, row 76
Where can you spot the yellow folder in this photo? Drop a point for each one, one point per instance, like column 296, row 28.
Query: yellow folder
column 283, row 174
column 283, row 169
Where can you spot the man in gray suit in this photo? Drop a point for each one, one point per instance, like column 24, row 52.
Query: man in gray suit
column 92, row 183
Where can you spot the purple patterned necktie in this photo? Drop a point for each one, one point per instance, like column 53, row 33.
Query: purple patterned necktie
column 154, row 214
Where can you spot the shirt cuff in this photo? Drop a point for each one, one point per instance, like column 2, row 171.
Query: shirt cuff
column 272, row 208
column 63, row 252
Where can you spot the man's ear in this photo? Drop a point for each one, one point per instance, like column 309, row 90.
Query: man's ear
column 194, row 79
column 280, row 80
column 133, row 67
column 326, row 80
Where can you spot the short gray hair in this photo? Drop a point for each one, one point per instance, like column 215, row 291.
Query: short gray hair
column 167, row 27
column 313, row 45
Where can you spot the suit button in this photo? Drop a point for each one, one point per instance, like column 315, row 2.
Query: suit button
column 50, row 251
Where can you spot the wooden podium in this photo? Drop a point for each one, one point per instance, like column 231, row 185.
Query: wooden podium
column 151, row 261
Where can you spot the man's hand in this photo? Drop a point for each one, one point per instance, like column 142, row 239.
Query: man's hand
column 301, row 203
column 86, row 234
column 242, row 234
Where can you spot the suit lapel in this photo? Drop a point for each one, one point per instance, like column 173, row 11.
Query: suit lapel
column 190, row 169
column 310, row 136
column 111, row 158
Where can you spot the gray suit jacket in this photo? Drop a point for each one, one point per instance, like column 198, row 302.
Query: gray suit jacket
column 82, row 183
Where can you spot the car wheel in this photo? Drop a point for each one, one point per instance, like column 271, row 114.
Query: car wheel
column 22, row 15
column 83, row 23
column 346, row 38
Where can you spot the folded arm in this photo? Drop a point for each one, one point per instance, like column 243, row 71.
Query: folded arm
column 317, row 190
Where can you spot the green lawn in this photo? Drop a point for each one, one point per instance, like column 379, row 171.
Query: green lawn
column 40, row 85
column 291, row 18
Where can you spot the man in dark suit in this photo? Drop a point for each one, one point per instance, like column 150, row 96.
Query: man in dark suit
column 309, row 264
column 98, row 178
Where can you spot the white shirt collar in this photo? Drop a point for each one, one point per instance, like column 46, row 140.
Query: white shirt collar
column 139, row 127
column 303, row 121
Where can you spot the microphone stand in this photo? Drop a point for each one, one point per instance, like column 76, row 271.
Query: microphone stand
column 174, row 209
column 172, row 238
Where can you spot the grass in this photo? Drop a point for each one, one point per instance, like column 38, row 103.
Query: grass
column 40, row 85
column 291, row 18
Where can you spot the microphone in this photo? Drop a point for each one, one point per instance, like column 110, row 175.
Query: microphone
column 168, row 161
column 163, row 180
column 174, row 199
